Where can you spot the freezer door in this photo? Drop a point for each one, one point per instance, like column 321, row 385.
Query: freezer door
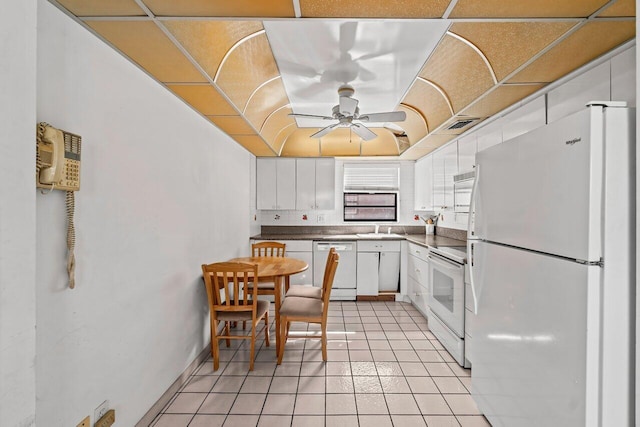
column 543, row 190
column 534, row 362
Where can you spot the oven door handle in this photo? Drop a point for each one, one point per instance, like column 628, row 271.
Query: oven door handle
column 445, row 263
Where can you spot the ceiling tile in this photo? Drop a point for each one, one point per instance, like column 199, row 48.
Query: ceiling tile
column 414, row 126
column 274, row 125
column 232, row 125
column 426, row 146
column 500, row 98
column 239, row 8
column 620, row 8
column 507, row 45
column 264, row 101
column 384, row 145
column 246, row 68
column 149, row 47
column 204, row 98
column 208, row 41
column 525, row 8
column 102, row 8
column 373, row 9
column 586, row 44
column 430, row 102
column 340, row 142
column 255, row 145
column 459, row 70
column 300, row 144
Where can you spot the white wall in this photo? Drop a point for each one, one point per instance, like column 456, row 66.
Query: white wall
column 163, row 192
column 17, row 213
column 334, row 217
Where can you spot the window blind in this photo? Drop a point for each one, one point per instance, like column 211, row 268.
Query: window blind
column 371, row 176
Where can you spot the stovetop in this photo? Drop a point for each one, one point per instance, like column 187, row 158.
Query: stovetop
column 454, row 253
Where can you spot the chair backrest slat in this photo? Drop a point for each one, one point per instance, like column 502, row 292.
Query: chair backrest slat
column 327, row 283
column 276, row 249
column 230, row 278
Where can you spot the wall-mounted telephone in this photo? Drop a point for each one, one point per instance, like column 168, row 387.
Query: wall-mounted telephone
column 58, row 159
column 58, row 168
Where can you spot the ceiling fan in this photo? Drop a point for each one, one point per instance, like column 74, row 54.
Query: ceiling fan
column 348, row 115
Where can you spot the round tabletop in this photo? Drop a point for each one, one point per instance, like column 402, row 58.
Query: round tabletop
column 269, row 266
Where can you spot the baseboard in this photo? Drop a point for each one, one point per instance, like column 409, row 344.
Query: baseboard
column 391, row 296
column 152, row 413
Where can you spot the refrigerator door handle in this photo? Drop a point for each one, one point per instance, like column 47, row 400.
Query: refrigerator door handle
column 471, row 281
column 472, row 206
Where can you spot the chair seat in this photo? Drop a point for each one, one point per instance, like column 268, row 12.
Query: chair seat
column 234, row 316
column 301, row 307
column 262, row 286
column 305, row 291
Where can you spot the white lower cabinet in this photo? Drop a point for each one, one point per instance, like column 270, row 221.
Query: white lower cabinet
column 418, row 277
column 378, row 267
column 367, row 273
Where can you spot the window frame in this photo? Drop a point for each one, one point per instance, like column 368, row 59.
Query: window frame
column 395, row 206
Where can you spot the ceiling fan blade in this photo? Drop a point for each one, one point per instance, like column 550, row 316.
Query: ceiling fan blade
column 322, row 132
column 310, row 116
column 348, row 105
column 363, row 132
column 365, row 75
column 347, row 36
column 392, row 116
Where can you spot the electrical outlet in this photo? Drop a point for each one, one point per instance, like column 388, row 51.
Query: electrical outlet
column 101, row 410
column 85, row 423
column 320, row 218
column 107, row 419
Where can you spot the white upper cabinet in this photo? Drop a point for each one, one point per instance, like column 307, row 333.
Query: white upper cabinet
column 450, row 169
column 423, row 184
column 467, row 148
column 276, row 184
column 315, row 182
column 438, row 179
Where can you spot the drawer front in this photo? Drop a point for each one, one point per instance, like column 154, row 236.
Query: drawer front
column 293, row 245
column 378, row 246
column 418, row 296
column 418, row 251
column 419, row 270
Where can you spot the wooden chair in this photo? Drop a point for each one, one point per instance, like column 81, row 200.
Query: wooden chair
column 310, row 310
column 229, row 303
column 310, row 291
column 276, row 249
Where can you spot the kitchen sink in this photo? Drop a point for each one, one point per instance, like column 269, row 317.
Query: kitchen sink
column 379, row 235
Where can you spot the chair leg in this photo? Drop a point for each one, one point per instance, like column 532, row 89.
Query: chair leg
column 284, row 331
column 324, row 342
column 215, row 350
column 227, row 331
column 253, row 347
column 266, row 329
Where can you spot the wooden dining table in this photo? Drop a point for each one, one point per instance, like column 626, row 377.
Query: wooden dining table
column 279, row 269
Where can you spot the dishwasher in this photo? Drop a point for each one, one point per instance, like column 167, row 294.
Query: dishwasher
column 344, row 282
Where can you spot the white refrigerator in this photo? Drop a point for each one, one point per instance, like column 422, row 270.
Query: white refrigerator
column 551, row 246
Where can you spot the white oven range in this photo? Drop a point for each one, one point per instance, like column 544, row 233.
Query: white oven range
column 446, row 298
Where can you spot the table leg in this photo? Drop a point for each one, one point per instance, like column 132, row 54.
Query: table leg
column 277, row 282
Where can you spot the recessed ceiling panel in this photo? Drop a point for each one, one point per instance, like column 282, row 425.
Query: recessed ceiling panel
column 275, row 124
column 204, row 98
column 507, row 45
column 373, row 9
column 253, row 8
column 315, row 57
column 300, row 144
column 232, row 125
column 586, row 44
column 102, row 8
column 459, row 70
column 264, row 101
column 245, row 69
column 499, row 99
column 525, row 8
column 384, row 145
column 255, row 145
column 620, row 8
column 426, row 146
column 149, row 47
column 208, row 41
column 433, row 104
column 340, row 142
column 414, row 126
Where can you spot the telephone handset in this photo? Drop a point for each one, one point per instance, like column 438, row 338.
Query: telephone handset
column 58, row 159
column 58, row 168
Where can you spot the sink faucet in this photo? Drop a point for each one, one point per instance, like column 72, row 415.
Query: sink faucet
column 377, row 228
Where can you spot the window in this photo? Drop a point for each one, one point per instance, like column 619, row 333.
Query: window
column 371, row 207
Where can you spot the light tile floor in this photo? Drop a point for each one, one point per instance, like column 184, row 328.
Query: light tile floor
column 385, row 369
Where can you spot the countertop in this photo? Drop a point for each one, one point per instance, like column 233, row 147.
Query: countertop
column 419, row 239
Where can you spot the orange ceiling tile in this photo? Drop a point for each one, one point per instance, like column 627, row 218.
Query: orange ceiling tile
column 459, row 70
column 239, row 8
column 300, row 144
column 208, row 41
column 232, row 125
column 246, row 68
column 384, row 145
column 102, row 8
column 204, row 98
column 586, row 44
column 525, row 8
column 507, row 45
column 255, row 145
column 150, row 48
column 429, row 102
column 499, row 99
column 414, row 126
column 340, row 142
column 274, row 125
column 373, row 9
column 264, row 101
column 620, row 8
